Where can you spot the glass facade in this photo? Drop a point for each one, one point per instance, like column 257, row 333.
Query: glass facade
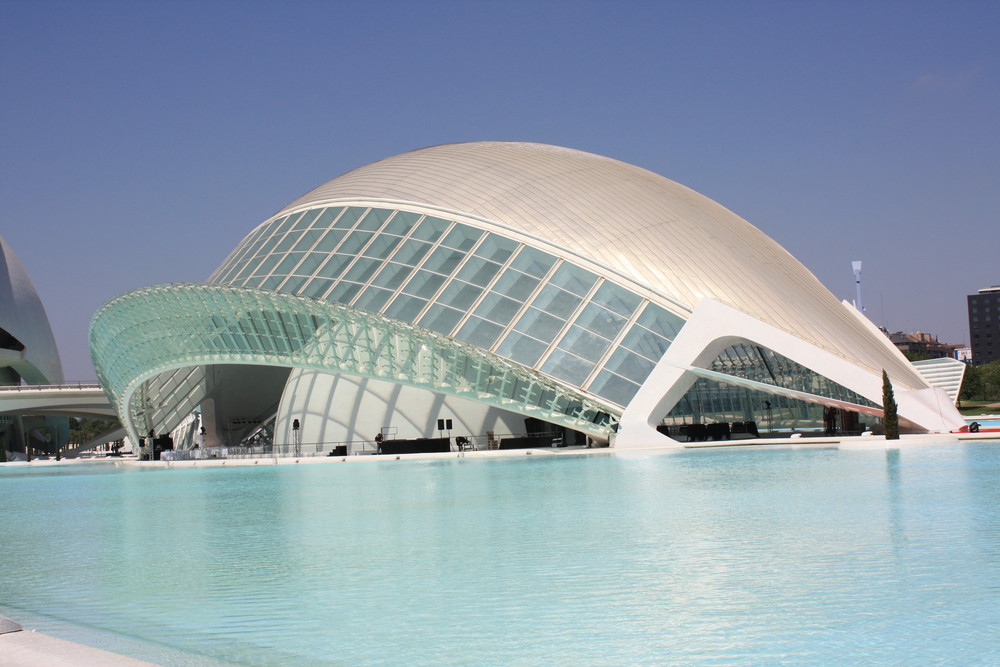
column 153, row 330
column 712, row 401
column 480, row 287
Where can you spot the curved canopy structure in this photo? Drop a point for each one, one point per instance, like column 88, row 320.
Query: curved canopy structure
column 570, row 272
column 177, row 326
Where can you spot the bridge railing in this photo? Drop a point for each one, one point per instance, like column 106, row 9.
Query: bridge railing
column 50, row 387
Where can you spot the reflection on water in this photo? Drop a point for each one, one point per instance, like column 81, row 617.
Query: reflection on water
column 732, row 556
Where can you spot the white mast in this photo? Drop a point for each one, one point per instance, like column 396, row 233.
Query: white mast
column 857, row 285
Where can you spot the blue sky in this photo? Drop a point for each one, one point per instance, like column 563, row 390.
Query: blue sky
column 140, row 141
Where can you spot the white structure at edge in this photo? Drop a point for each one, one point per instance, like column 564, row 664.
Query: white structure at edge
column 607, row 286
column 715, row 326
column 27, row 348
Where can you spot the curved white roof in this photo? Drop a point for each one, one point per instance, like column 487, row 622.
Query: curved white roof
column 23, row 317
column 659, row 233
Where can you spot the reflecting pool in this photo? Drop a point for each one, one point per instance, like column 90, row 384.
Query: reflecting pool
column 725, row 556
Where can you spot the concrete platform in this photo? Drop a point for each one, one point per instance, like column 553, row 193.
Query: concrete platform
column 27, row 648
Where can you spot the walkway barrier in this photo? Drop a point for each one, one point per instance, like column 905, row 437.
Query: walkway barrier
column 50, row 387
column 366, row 448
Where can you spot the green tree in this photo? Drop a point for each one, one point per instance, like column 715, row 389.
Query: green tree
column 972, row 384
column 84, row 429
column 989, row 375
column 981, row 383
column 889, row 417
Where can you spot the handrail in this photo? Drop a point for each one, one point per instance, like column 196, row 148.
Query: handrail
column 49, row 387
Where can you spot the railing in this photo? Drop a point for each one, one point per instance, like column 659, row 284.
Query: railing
column 261, row 451
column 349, row 448
column 49, row 387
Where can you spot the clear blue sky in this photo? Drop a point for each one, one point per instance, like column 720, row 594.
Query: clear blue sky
column 141, row 140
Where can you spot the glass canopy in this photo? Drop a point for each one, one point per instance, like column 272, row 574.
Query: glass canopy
column 142, row 333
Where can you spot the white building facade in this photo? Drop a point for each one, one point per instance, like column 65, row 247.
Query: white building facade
column 489, row 283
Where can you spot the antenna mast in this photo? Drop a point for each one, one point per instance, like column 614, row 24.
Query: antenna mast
column 857, row 285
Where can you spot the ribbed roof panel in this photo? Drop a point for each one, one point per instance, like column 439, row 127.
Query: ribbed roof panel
column 661, row 234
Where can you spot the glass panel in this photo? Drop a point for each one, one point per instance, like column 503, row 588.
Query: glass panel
column 443, row 260
column 268, row 246
column 497, row 248
column 310, row 264
column 293, row 284
column 630, row 365
column 362, row 270
column 288, row 263
column 283, row 225
column 405, row 308
column 430, row 229
column 556, row 301
column 373, row 299
column 460, row 295
column 424, row 284
column 645, row 342
column 343, row 292
column 583, row 343
column 307, row 240
column 516, row 285
column 441, row 318
column 480, row 332
column 392, row 276
column 462, row 237
column 317, row 287
column 335, row 266
column 617, row 298
column 349, row 217
column 247, row 270
column 327, row 217
column 411, row 252
column 354, row 242
column 573, row 279
column 306, row 219
column 266, row 265
column 601, row 321
column 330, row 240
column 539, row 324
column 498, row 308
column 616, row 389
column 226, row 272
column 533, row 261
column 567, row 367
column 382, row 246
column 522, row 349
column 660, row 321
column 285, row 244
column 375, row 219
column 272, row 282
column 478, row 271
column 401, row 223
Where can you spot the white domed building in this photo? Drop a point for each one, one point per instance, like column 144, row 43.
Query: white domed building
column 28, row 356
column 512, row 288
column 28, row 350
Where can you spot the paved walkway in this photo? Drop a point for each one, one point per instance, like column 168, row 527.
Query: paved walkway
column 27, row 648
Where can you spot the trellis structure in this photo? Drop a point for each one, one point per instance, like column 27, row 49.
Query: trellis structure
column 149, row 331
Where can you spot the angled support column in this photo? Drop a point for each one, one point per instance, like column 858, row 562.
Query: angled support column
column 713, row 327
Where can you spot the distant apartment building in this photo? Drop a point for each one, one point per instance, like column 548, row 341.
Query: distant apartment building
column 923, row 344
column 984, row 325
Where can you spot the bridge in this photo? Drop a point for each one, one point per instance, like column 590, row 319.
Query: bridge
column 70, row 400
column 60, row 400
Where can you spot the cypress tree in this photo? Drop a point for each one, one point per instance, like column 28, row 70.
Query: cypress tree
column 889, row 417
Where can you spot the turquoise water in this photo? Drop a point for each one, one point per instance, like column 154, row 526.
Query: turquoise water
column 727, row 556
